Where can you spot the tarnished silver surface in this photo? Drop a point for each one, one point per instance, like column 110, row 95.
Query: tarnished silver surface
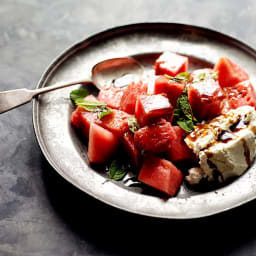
column 112, row 70
column 68, row 154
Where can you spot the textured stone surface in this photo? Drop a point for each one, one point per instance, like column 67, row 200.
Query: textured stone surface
column 42, row 214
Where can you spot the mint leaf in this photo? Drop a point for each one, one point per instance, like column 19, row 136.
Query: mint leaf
column 185, row 76
column 183, row 104
column 183, row 113
column 94, row 106
column 133, row 124
column 117, row 170
column 186, row 125
column 181, row 77
column 89, row 104
column 78, row 94
column 103, row 111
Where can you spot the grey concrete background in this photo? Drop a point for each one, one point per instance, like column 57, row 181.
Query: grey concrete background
column 42, row 214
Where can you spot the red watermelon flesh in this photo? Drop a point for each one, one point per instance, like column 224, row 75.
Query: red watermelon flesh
column 82, row 119
column 75, row 117
column 154, row 138
column 133, row 152
column 87, row 118
column 152, row 107
column 161, row 174
column 111, row 96
column 206, row 98
column 170, row 64
column 179, row 151
column 229, row 73
column 116, row 122
column 130, row 95
column 240, row 94
column 172, row 89
column 102, row 144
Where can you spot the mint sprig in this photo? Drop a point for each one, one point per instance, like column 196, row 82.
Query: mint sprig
column 95, row 106
column 183, row 113
column 185, row 76
column 100, row 108
column 181, row 77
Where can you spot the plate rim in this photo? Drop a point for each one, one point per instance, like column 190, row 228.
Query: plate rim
column 83, row 43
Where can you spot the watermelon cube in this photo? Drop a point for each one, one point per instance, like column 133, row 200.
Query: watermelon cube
column 75, row 117
column 82, row 118
column 206, row 98
column 155, row 138
column 111, row 96
column 133, row 152
column 179, row 151
column 172, row 89
column 161, row 174
column 229, row 73
column 151, row 107
column 171, row 64
column 130, row 94
column 86, row 119
column 240, row 94
column 102, row 144
column 116, row 122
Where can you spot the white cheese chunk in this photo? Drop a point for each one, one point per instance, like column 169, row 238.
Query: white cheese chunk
column 226, row 145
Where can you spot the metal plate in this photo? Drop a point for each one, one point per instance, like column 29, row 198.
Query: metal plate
column 68, row 154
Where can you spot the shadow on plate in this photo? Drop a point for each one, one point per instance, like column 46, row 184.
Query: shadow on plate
column 117, row 232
